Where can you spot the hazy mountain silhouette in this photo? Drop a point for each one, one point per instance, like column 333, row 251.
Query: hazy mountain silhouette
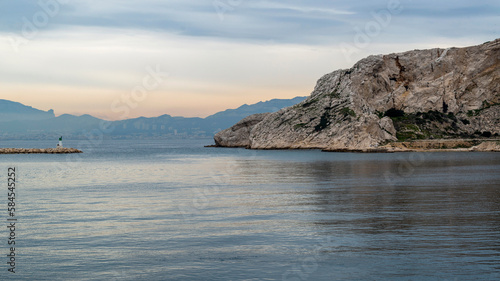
column 21, row 121
column 10, row 110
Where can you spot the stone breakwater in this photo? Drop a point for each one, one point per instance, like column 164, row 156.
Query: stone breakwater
column 63, row 150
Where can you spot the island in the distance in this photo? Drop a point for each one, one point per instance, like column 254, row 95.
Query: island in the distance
column 421, row 100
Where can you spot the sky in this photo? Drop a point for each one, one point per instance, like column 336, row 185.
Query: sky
column 119, row 59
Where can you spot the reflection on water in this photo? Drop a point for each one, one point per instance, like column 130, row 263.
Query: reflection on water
column 177, row 211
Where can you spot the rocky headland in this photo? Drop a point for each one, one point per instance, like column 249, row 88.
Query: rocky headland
column 60, row 150
column 418, row 100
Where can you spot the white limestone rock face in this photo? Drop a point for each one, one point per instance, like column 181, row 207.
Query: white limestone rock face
column 239, row 134
column 344, row 110
column 488, row 146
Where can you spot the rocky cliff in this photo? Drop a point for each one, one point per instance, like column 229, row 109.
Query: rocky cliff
column 239, row 134
column 420, row 94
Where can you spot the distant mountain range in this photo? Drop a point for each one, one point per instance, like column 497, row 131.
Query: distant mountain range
column 25, row 122
column 14, row 111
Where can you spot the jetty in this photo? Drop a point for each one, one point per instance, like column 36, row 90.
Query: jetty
column 59, row 150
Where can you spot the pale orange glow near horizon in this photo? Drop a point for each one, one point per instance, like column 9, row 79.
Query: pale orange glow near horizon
column 185, row 76
column 96, row 70
column 98, row 103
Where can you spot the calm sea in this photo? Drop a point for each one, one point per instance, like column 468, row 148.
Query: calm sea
column 174, row 210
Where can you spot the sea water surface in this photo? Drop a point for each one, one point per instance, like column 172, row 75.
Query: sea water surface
column 175, row 210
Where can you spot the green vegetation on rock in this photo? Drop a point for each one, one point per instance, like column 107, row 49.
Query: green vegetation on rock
column 485, row 105
column 346, row 111
column 309, row 103
column 298, row 126
column 429, row 125
column 334, row 94
column 323, row 123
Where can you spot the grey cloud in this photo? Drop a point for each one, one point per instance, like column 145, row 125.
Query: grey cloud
column 295, row 21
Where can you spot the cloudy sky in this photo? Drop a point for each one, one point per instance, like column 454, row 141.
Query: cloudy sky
column 119, row 59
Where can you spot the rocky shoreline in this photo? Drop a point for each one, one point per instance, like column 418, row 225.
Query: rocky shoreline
column 62, row 150
column 414, row 146
column 420, row 100
column 431, row 146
